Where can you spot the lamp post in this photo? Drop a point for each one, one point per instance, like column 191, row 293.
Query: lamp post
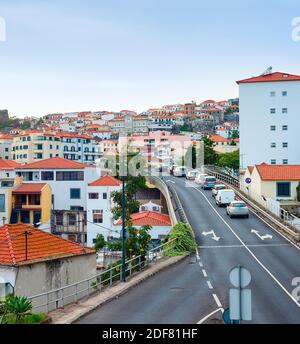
column 123, row 279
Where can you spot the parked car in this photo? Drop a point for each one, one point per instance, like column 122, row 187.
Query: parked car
column 237, row 209
column 216, row 188
column 209, row 182
column 179, row 171
column 191, row 175
column 225, row 197
column 200, row 178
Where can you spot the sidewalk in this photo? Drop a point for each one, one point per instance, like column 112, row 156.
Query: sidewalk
column 70, row 313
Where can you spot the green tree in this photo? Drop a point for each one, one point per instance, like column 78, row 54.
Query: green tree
column 19, row 307
column 25, row 125
column 100, row 242
column 210, row 156
column 229, row 160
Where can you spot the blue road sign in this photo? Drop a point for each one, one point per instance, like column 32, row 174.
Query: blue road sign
column 248, row 180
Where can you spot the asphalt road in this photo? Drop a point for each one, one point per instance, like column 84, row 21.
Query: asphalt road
column 189, row 292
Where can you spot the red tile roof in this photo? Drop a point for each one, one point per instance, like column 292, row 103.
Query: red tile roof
column 106, row 181
column 277, row 76
column 27, row 188
column 41, row 246
column 8, row 164
column 55, row 163
column 218, row 138
column 278, row 172
column 149, row 218
column 250, row 168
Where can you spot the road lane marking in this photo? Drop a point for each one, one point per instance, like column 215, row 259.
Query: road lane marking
column 201, row 265
column 212, row 232
column 209, row 285
column 261, row 237
column 241, row 246
column 204, row 273
column 209, row 315
column 251, row 253
column 218, row 302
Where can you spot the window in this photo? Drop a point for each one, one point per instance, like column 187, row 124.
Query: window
column 39, row 156
column 273, row 94
column 283, row 189
column 273, row 145
column 273, row 110
column 75, row 193
column 47, row 175
column 6, row 149
column 72, row 219
column 284, row 93
column 51, row 146
column 25, row 216
column 285, row 161
column 76, row 207
column 93, row 195
column 39, row 147
column 273, row 127
column 284, row 127
column 2, row 203
column 59, row 219
column 104, row 195
column 98, row 216
column 69, row 175
column 284, row 110
column 285, row 145
column 273, row 162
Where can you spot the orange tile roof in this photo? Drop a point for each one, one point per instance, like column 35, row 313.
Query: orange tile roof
column 106, row 181
column 55, row 163
column 27, row 188
column 8, row 164
column 41, row 246
column 149, row 218
column 6, row 136
column 68, row 134
column 218, row 138
column 250, row 168
column 278, row 172
column 277, row 76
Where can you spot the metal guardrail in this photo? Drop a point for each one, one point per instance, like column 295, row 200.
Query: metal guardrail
column 290, row 223
column 58, row 298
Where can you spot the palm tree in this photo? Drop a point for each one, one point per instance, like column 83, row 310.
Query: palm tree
column 19, row 307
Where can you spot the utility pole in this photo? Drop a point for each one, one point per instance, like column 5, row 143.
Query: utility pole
column 123, row 231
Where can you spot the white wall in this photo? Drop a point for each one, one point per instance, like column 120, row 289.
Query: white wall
column 255, row 122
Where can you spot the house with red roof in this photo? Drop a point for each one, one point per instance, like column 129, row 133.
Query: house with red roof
column 266, row 182
column 99, row 208
column 34, row 262
column 269, row 118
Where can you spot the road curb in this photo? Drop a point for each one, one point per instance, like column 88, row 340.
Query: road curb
column 90, row 304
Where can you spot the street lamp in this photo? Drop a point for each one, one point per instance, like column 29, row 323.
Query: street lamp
column 123, row 279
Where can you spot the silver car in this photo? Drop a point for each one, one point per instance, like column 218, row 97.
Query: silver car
column 218, row 187
column 237, row 209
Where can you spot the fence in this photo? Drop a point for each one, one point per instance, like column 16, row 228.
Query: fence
column 287, row 218
column 61, row 297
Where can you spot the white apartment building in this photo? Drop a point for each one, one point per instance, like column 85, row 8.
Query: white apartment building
column 6, row 141
column 99, row 206
column 68, row 180
column 129, row 124
column 269, row 119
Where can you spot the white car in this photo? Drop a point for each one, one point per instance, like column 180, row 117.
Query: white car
column 191, row 175
column 216, row 188
column 179, row 171
column 237, row 209
column 200, row 178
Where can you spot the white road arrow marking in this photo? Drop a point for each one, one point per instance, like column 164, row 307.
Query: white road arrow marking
column 170, row 181
column 262, row 237
column 214, row 237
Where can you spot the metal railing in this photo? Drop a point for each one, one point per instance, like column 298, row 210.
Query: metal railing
column 213, row 171
column 58, row 298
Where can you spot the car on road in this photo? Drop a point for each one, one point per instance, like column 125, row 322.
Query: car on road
column 209, row 182
column 191, row 175
column 179, row 171
column 237, row 209
column 218, row 187
column 200, row 178
column 172, row 168
column 225, row 197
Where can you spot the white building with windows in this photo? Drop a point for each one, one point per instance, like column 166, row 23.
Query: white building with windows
column 269, row 119
column 99, row 208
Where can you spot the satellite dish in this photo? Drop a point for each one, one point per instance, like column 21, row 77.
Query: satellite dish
column 268, row 71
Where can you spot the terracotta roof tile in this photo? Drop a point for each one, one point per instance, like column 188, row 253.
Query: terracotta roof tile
column 8, row 164
column 278, row 172
column 277, row 76
column 149, row 218
column 106, row 181
column 41, row 246
column 55, row 163
column 28, row 188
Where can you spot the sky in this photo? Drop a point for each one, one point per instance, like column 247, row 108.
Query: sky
column 71, row 55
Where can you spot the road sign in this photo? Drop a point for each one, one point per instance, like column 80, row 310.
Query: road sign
column 240, row 304
column 248, row 180
column 240, row 277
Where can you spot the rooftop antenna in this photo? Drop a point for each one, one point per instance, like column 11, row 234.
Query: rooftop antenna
column 268, row 71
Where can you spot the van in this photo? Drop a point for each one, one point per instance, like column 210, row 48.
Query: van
column 209, row 182
column 179, row 171
column 225, row 197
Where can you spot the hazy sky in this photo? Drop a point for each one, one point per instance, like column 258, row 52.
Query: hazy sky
column 75, row 55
